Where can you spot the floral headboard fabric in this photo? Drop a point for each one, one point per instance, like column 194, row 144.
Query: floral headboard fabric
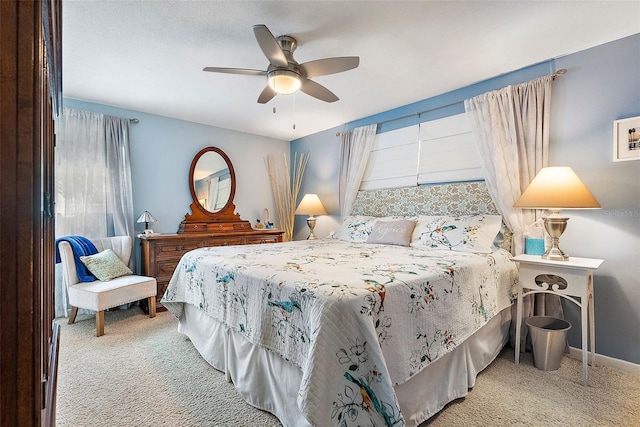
column 460, row 198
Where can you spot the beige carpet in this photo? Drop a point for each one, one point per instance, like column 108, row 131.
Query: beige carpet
column 142, row 372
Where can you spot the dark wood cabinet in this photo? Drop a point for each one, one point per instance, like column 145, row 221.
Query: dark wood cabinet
column 162, row 252
column 31, row 88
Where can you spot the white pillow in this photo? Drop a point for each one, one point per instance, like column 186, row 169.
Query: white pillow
column 461, row 234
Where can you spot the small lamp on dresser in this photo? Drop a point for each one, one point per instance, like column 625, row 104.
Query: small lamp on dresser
column 146, row 217
column 553, row 189
column 311, row 205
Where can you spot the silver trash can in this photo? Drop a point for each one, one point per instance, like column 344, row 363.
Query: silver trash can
column 548, row 336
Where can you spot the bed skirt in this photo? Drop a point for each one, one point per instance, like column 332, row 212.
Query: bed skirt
column 268, row 382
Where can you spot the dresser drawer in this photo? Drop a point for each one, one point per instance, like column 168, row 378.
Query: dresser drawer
column 226, row 241
column 176, row 249
column 161, row 253
column 165, row 268
column 263, row 239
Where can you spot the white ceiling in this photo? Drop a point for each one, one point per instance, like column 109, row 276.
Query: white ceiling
column 148, row 55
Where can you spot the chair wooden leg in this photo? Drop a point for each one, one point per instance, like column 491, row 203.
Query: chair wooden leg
column 152, row 306
column 100, row 323
column 72, row 315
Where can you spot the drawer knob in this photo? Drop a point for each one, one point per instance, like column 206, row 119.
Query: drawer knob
column 180, row 248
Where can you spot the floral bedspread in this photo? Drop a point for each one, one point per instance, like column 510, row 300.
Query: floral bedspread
column 356, row 318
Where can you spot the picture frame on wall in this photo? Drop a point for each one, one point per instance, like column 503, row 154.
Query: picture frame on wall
column 626, row 139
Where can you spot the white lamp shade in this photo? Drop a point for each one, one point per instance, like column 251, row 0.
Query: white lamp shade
column 310, row 205
column 146, row 217
column 557, row 188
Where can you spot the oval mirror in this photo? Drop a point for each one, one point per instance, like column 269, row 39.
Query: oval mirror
column 212, row 180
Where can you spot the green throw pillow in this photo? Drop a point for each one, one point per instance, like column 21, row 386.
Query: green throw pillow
column 105, row 265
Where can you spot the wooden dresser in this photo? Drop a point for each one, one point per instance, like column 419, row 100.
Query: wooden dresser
column 162, row 252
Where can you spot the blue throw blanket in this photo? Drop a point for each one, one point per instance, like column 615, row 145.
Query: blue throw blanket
column 81, row 246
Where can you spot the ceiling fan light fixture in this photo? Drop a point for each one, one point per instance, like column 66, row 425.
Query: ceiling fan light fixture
column 284, row 82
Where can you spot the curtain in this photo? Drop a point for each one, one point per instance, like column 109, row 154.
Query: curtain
column 94, row 196
column 511, row 131
column 355, row 149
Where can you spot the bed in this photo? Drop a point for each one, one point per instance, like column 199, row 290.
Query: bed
column 383, row 324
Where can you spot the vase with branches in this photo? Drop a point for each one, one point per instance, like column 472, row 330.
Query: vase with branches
column 286, row 180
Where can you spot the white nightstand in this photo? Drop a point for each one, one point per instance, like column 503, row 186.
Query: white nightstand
column 568, row 279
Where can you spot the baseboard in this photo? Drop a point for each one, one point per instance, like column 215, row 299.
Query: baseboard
column 602, row 360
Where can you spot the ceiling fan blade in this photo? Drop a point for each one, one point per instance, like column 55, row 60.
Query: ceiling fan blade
column 235, row 71
column 270, row 46
column 316, row 90
column 323, row 67
column 266, row 95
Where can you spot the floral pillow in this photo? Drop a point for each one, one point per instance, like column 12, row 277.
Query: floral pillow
column 105, row 265
column 461, row 234
column 392, row 232
column 355, row 228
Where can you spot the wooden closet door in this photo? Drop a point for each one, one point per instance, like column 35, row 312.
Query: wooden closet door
column 30, row 94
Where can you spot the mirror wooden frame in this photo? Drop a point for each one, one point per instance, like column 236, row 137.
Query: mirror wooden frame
column 201, row 220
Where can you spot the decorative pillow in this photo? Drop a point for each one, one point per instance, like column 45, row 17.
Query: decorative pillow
column 355, row 228
column 105, row 265
column 462, row 234
column 392, row 232
column 503, row 239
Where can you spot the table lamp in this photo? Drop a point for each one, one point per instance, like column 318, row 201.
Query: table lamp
column 146, row 217
column 311, row 205
column 553, row 189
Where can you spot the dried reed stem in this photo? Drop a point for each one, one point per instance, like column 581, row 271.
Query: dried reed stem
column 285, row 188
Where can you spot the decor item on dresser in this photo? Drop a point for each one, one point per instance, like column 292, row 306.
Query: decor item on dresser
column 626, row 139
column 556, row 188
column 116, row 285
column 214, row 222
column 353, row 330
column 146, row 217
column 212, row 182
column 311, row 205
column 285, row 188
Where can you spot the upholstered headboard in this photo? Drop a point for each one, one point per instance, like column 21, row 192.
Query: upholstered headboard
column 460, row 198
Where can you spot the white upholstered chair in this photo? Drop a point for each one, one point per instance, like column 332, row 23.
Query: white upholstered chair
column 101, row 295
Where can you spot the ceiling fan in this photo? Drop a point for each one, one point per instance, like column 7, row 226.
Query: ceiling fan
column 284, row 74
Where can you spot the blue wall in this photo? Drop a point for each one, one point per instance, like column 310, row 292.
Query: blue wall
column 602, row 85
column 161, row 153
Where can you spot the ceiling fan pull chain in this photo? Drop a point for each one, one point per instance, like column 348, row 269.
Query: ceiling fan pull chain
column 294, row 111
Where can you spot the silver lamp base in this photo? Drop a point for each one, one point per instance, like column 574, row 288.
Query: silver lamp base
column 555, row 226
column 311, row 222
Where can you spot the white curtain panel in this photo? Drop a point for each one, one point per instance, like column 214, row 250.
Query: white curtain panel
column 119, row 207
column 94, row 195
column 511, row 131
column 81, row 175
column 356, row 146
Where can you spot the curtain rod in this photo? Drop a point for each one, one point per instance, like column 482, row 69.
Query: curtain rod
column 134, row 121
column 553, row 75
